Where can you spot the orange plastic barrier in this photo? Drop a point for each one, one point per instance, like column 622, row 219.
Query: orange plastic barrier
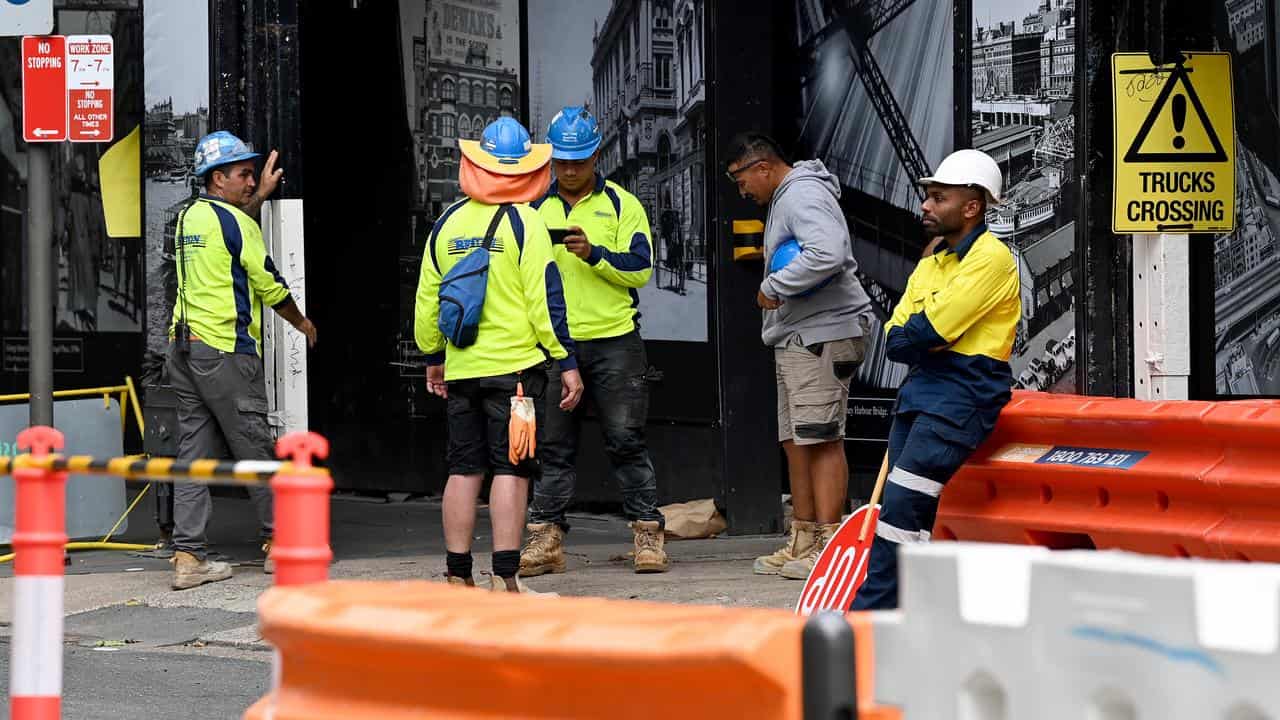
column 398, row 650
column 1208, row 487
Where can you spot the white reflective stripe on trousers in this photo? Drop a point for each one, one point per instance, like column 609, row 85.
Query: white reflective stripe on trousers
column 912, row 481
column 897, row 535
column 35, row 659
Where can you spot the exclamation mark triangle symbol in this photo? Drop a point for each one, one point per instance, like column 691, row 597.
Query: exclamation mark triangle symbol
column 1176, row 105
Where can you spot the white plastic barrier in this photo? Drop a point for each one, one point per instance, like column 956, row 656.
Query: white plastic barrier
column 997, row 632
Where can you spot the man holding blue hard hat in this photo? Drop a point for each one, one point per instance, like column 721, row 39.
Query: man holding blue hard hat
column 817, row 318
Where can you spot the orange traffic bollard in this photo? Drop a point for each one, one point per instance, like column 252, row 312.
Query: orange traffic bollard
column 301, row 545
column 40, row 531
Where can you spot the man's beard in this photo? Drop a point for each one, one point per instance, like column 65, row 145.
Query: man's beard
column 938, row 228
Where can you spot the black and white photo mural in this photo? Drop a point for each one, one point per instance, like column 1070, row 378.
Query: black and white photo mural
column 1246, row 262
column 875, row 107
column 177, row 116
column 1023, row 115
column 460, row 62
column 98, row 295
column 637, row 65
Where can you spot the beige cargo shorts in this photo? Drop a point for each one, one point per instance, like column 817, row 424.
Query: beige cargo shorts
column 813, row 388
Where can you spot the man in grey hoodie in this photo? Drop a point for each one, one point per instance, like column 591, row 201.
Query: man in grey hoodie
column 818, row 319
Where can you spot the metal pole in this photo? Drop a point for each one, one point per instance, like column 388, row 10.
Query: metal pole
column 829, row 679
column 40, row 297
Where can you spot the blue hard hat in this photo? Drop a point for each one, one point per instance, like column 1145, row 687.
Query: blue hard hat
column 786, row 251
column 506, row 148
column 220, row 148
column 574, row 134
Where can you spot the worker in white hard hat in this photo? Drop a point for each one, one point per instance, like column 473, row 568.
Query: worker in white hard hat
column 954, row 327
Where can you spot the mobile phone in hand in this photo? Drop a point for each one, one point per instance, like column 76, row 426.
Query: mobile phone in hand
column 558, row 235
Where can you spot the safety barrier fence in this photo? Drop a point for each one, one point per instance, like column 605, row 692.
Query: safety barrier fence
column 448, row 651
column 300, row 547
column 1179, row 478
column 999, row 632
column 985, row 632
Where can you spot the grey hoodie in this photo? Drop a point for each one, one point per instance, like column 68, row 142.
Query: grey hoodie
column 805, row 206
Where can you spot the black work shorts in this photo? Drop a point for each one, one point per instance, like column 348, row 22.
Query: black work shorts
column 479, row 413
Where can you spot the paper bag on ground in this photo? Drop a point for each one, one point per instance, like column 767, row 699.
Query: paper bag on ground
column 693, row 519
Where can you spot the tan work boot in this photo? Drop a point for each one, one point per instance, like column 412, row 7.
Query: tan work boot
column 463, row 582
column 514, row 585
column 188, row 572
column 803, row 536
column 800, row 568
column 269, row 563
column 650, row 555
column 544, row 552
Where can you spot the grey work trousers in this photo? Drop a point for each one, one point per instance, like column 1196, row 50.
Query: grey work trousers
column 222, row 414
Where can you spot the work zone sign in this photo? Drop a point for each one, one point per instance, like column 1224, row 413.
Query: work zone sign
column 67, row 88
column 1175, row 147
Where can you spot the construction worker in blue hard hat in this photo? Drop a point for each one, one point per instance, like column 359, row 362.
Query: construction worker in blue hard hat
column 493, row 336
column 954, row 327
column 225, row 277
column 605, row 256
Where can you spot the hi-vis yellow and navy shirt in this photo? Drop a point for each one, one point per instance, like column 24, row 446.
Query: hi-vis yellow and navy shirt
column 601, row 290
column 967, row 302
column 227, row 278
column 523, row 320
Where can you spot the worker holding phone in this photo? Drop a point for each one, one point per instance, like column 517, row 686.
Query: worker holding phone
column 604, row 252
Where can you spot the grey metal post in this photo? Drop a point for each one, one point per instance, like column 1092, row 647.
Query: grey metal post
column 40, row 283
column 829, row 680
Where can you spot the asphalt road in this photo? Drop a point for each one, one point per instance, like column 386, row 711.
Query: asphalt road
column 108, row 684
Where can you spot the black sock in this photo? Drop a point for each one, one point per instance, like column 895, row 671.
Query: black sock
column 459, row 565
column 506, row 563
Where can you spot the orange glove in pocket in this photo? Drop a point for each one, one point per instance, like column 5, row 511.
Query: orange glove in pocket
column 522, row 429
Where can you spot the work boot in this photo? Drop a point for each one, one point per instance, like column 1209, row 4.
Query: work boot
column 650, row 557
column 803, row 537
column 463, row 582
column 268, row 563
column 188, row 572
column 544, row 552
column 800, row 568
column 514, row 585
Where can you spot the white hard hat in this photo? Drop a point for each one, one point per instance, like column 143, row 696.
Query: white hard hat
column 969, row 167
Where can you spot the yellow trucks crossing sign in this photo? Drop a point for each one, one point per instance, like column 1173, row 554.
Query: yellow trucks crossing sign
column 1175, row 144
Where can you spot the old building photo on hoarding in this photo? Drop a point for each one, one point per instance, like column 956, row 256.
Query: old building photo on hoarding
column 1247, row 261
column 1023, row 115
column 638, row 66
column 875, row 108
column 177, row 101
column 461, row 68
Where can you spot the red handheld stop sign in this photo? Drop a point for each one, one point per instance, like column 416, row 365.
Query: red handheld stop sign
column 841, row 567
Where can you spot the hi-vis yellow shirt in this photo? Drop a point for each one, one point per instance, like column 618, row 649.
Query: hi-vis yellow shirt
column 967, row 302
column 227, row 276
column 523, row 320
column 601, row 290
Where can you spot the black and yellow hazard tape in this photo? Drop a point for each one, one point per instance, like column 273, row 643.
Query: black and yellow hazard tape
column 202, row 472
